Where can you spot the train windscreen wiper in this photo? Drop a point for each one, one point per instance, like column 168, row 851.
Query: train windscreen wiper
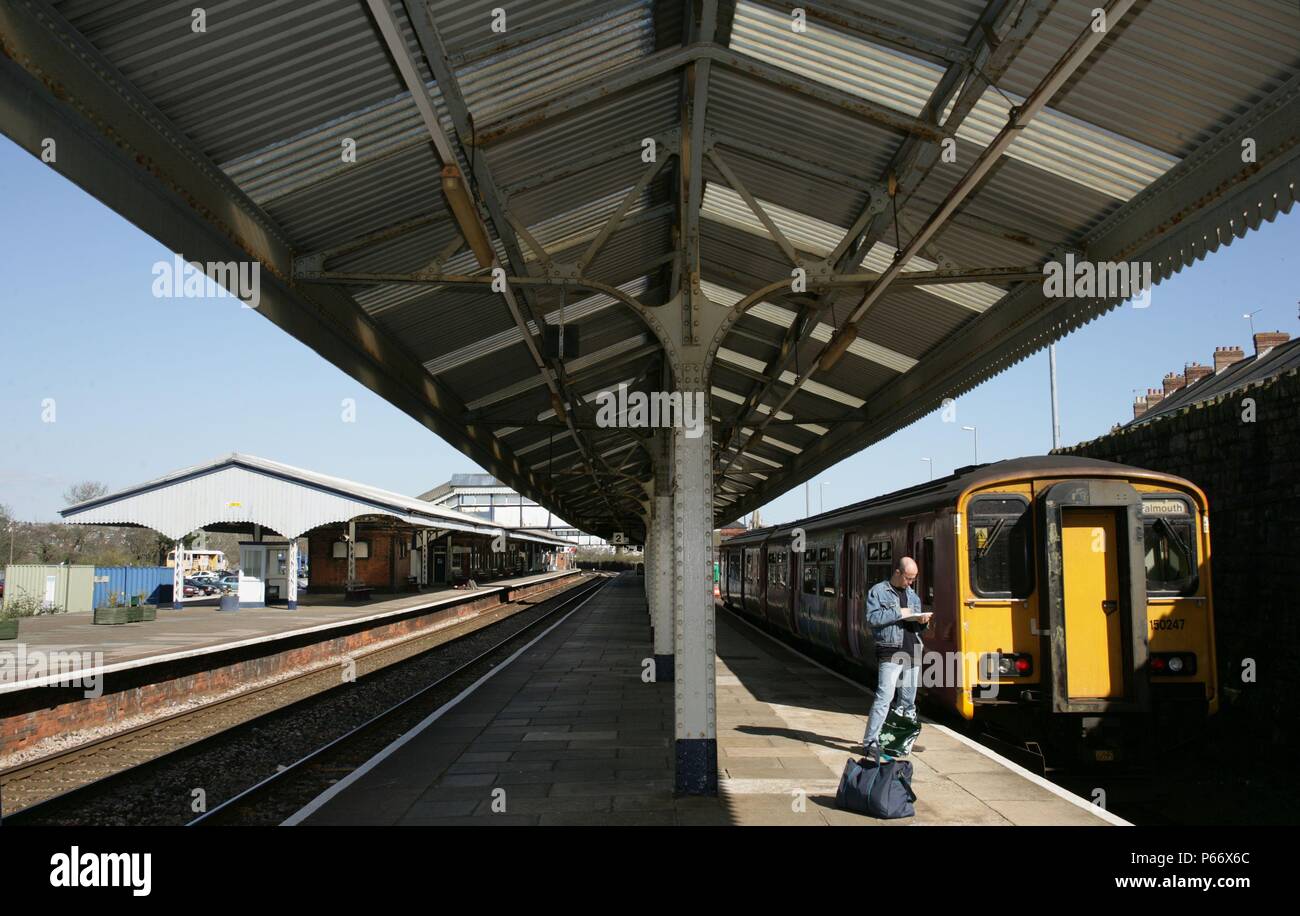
column 982, row 552
column 1173, row 536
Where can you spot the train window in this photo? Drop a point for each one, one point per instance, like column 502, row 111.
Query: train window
column 879, row 566
column 810, row 580
column 1001, row 536
column 828, row 581
column 810, row 556
column 824, row 554
column 1170, row 539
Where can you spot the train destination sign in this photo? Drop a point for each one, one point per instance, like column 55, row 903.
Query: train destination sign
column 1164, row 507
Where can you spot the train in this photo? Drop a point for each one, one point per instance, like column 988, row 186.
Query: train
column 1071, row 599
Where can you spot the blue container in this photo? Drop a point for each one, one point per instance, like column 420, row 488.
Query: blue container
column 129, row 581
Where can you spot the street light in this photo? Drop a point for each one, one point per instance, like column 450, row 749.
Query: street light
column 930, row 462
column 977, row 441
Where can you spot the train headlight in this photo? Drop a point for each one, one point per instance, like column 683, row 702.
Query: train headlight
column 1007, row 664
column 1173, row 664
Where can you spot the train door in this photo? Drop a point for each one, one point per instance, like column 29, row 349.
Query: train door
column 1094, row 657
column 855, row 595
column 1096, row 597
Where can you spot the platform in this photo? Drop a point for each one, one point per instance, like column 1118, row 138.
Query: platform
column 572, row 735
column 65, row 680
column 179, row 634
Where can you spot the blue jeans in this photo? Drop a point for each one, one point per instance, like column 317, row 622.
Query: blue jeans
column 892, row 674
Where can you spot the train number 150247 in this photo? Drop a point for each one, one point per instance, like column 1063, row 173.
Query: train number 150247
column 1168, row 623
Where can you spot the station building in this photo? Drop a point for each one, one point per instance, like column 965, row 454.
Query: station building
column 360, row 539
column 484, row 496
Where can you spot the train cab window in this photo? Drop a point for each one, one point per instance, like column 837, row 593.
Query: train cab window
column 810, row 580
column 1000, row 542
column 1170, row 538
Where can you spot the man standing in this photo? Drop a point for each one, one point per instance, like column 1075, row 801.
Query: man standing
column 895, row 617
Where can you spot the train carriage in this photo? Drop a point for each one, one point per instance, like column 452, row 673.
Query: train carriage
column 1071, row 597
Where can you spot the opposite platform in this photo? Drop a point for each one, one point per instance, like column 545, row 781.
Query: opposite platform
column 568, row 733
column 205, row 629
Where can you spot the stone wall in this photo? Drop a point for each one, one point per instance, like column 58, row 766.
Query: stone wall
column 1249, row 468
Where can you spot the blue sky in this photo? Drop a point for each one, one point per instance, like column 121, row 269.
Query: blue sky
column 142, row 386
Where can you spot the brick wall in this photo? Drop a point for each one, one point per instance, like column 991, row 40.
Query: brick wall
column 383, row 569
column 1250, row 472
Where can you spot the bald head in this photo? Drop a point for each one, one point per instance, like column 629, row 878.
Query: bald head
column 905, row 571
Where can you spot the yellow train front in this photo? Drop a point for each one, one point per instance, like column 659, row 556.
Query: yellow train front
column 1071, row 597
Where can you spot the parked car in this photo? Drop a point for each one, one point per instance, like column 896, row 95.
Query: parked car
column 202, row 587
column 229, row 582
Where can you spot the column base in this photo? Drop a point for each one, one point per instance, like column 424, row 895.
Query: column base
column 177, row 606
column 697, row 766
column 664, row 670
column 293, row 605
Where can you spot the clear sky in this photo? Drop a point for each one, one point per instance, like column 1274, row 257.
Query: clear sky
column 142, row 386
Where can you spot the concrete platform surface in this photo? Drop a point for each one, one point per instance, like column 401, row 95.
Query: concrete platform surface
column 568, row 733
column 201, row 629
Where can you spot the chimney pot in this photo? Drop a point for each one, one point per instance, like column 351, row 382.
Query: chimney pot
column 1139, row 407
column 1154, row 397
column 1267, row 340
column 1173, row 382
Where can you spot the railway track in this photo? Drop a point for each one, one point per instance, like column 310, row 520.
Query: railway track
column 286, row 791
column 109, row 780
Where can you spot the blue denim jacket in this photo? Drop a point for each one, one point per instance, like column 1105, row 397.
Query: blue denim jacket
column 884, row 613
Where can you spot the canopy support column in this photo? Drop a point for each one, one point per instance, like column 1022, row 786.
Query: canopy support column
column 291, row 580
column 693, row 630
column 352, row 555
column 178, row 576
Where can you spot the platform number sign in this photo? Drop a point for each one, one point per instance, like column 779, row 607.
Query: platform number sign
column 618, row 538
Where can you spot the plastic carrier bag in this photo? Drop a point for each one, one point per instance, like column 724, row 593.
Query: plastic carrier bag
column 899, row 732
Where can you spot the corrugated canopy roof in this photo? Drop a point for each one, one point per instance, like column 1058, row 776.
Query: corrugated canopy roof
column 314, row 137
column 242, row 490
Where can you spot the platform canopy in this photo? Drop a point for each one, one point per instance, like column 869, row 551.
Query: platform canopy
column 239, row 491
column 653, row 176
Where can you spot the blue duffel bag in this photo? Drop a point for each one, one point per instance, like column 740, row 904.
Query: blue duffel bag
column 882, row 790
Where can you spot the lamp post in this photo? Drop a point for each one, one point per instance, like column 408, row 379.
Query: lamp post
column 976, row 431
column 930, row 462
column 1056, row 418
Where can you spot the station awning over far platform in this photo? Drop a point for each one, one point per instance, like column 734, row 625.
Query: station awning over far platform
column 239, row 491
column 649, row 175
